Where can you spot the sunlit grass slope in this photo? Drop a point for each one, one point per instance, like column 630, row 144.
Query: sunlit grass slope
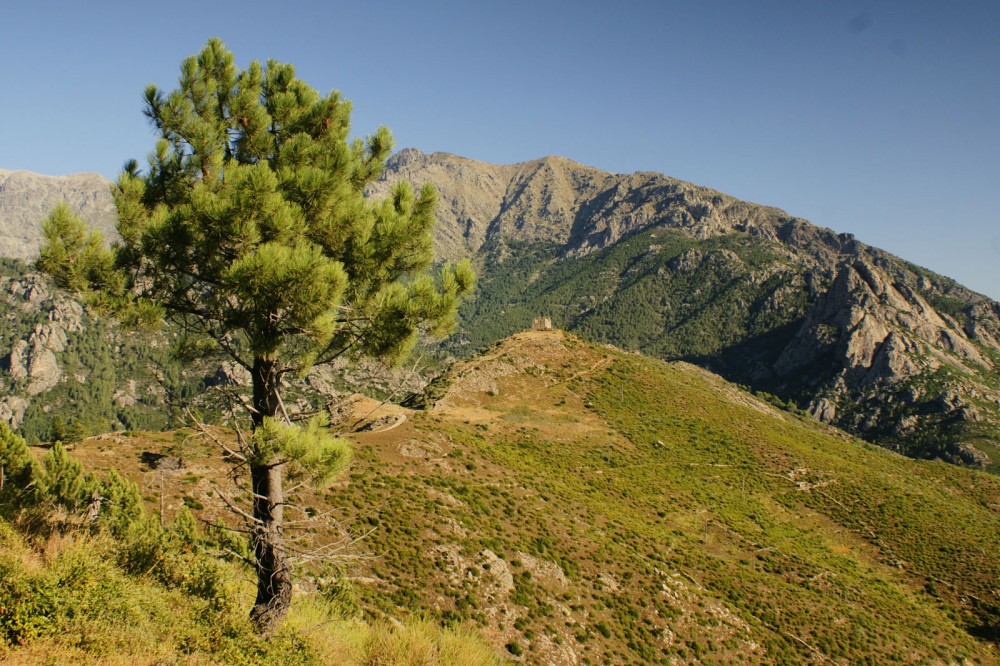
column 572, row 498
column 69, row 596
column 555, row 502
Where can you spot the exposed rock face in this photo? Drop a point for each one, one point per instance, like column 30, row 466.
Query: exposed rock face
column 468, row 198
column 27, row 198
column 59, row 361
column 874, row 340
column 31, row 362
column 230, row 373
column 12, row 408
column 874, row 329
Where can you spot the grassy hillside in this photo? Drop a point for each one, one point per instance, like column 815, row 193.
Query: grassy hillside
column 578, row 504
column 83, row 599
column 127, row 588
column 562, row 494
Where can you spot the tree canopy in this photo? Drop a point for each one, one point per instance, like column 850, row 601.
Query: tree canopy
column 251, row 226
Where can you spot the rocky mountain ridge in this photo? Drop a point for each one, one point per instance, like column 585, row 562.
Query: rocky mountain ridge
column 26, row 198
column 860, row 338
column 583, row 209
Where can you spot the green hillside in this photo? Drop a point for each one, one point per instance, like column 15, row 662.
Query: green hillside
column 573, row 503
column 651, row 513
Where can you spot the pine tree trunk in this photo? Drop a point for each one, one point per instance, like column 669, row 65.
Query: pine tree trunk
column 274, row 580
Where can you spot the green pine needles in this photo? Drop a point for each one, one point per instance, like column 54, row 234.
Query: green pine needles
column 251, row 226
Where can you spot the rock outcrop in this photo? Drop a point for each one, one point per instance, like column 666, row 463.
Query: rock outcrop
column 31, row 361
column 871, row 341
column 873, row 330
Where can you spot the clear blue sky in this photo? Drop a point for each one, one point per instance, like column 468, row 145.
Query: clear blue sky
column 879, row 118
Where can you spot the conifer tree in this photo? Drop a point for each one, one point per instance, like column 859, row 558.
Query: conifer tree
column 59, row 479
column 250, row 229
column 15, row 464
column 74, row 256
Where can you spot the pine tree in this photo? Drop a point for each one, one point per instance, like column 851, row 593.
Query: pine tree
column 250, row 229
column 15, row 465
column 60, row 479
column 74, row 256
column 120, row 503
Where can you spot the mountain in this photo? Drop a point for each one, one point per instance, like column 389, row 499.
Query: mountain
column 573, row 503
column 857, row 337
column 27, row 198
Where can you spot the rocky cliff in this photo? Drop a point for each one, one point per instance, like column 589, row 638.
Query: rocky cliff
column 60, row 364
column 879, row 358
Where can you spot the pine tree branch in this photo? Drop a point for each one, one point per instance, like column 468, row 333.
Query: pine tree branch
column 251, row 520
column 281, row 404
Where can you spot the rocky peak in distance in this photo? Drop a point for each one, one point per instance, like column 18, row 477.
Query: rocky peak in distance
column 27, row 198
